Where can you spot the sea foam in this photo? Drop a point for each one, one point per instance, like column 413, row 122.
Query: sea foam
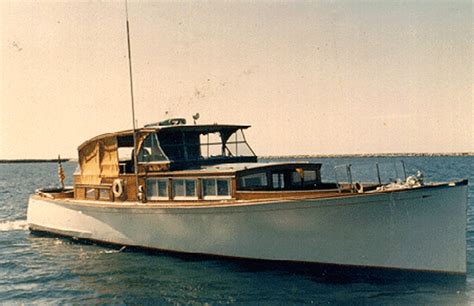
column 14, row 225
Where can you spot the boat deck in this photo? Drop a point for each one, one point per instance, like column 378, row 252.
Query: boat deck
column 247, row 198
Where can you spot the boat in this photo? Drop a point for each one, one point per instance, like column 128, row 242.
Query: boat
column 200, row 189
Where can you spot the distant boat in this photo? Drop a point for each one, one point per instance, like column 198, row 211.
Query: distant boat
column 200, row 189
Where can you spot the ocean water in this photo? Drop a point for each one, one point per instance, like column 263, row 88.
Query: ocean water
column 39, row 269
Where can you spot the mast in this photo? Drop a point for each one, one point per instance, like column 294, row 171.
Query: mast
column 135, row 162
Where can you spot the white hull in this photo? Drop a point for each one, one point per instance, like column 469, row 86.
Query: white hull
column 420, row 229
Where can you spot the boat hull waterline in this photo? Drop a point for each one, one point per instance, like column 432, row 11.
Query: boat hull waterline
column 420, row 229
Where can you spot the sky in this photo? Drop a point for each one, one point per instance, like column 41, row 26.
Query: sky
column 311, row 77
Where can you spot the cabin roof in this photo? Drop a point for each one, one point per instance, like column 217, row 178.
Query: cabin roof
column 200, row 128
column 204, row 128
column 115, row 134
column 235, row 167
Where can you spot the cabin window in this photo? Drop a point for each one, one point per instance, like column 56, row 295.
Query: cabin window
column 304, row 178
column 278, row 180
column 254, row 180
column 211, row 145
column 296, row 178
column 224, row 144
column 236, row 145
column 151, row 151
column 205, row 143
column 157, row 189
column 184, row 189
column 215, row 188
column 180, row 146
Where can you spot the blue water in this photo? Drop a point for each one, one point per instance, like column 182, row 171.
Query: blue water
column 35, row 269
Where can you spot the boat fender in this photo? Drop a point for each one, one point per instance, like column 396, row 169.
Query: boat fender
column 117, row 188
column 358, row 187
column 141, row 194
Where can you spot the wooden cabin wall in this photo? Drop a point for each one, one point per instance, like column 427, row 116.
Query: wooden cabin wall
column 233, row 186
column 257, row 195
column 130, row 186
column 79, row 193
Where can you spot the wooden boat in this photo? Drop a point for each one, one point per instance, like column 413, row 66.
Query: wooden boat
column 200, row 189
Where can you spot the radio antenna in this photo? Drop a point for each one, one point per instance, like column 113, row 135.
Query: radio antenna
column 135, row 162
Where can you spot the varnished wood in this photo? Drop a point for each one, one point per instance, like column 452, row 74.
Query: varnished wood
column 261, row 195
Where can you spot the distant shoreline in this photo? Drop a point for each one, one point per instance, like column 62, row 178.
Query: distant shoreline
column 24, row 161
column 456, row 154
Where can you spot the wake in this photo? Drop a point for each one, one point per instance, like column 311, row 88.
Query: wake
column 15, row 225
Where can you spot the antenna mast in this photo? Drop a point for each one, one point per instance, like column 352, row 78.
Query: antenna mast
column 135, row 162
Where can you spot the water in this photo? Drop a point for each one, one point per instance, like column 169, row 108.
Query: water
column 57, row 270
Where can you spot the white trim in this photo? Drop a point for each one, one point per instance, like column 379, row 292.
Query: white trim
column 217, row 197
column 158, row 198
column 184, row 198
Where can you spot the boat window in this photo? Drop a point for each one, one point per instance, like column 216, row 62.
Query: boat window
column 237, row 145
column 296, row 178
column 157, row 189
column 151, row 151
column 231, row 145
column 191, row 144
column 303, row 177
column 211, row 145
column 200, row 145
column 278, row 180
column 216, row 188
column 209, row 187
column 253, row 180
column 223, row 187
column 184, row 189
column 310, row 175
column 173, row 145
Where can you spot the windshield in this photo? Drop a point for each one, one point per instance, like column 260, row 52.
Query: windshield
column 150, row 150
column 196, row 145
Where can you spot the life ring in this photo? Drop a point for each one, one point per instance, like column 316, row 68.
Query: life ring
column 358, row 187
column 117, row 188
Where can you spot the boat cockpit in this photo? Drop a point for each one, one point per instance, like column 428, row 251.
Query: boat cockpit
column 192, row 146
column 187, row 147
column 184, row 162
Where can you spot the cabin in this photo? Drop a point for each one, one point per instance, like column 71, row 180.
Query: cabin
column 181, row 162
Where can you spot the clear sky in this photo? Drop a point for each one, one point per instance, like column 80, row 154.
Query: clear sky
column 311, row 77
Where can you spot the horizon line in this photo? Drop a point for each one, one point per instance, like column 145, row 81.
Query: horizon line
column 409, row 154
